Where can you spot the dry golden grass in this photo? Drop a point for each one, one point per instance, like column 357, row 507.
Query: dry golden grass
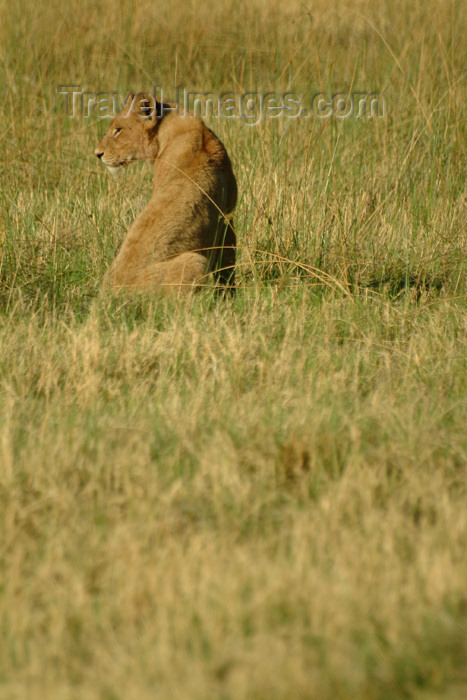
column 257, row 497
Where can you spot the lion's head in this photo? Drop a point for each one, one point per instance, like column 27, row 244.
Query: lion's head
column 130, row 135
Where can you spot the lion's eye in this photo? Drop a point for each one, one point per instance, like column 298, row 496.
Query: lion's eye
column 117, row 131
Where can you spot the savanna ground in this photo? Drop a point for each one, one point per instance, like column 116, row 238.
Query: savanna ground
column 255, row 497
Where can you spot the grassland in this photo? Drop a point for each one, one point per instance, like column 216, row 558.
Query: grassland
column 257, row 497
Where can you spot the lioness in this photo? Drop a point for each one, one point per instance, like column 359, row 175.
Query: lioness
column 184, row 231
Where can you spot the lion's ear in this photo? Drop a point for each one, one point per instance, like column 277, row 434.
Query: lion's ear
column 146, row 109
column 144, row 105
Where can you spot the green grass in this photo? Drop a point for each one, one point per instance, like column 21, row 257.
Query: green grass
column 256, row 497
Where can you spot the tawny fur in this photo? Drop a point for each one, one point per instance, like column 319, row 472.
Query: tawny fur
column 184, row 232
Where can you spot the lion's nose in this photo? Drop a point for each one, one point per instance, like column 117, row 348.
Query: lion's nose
column 99, row 154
